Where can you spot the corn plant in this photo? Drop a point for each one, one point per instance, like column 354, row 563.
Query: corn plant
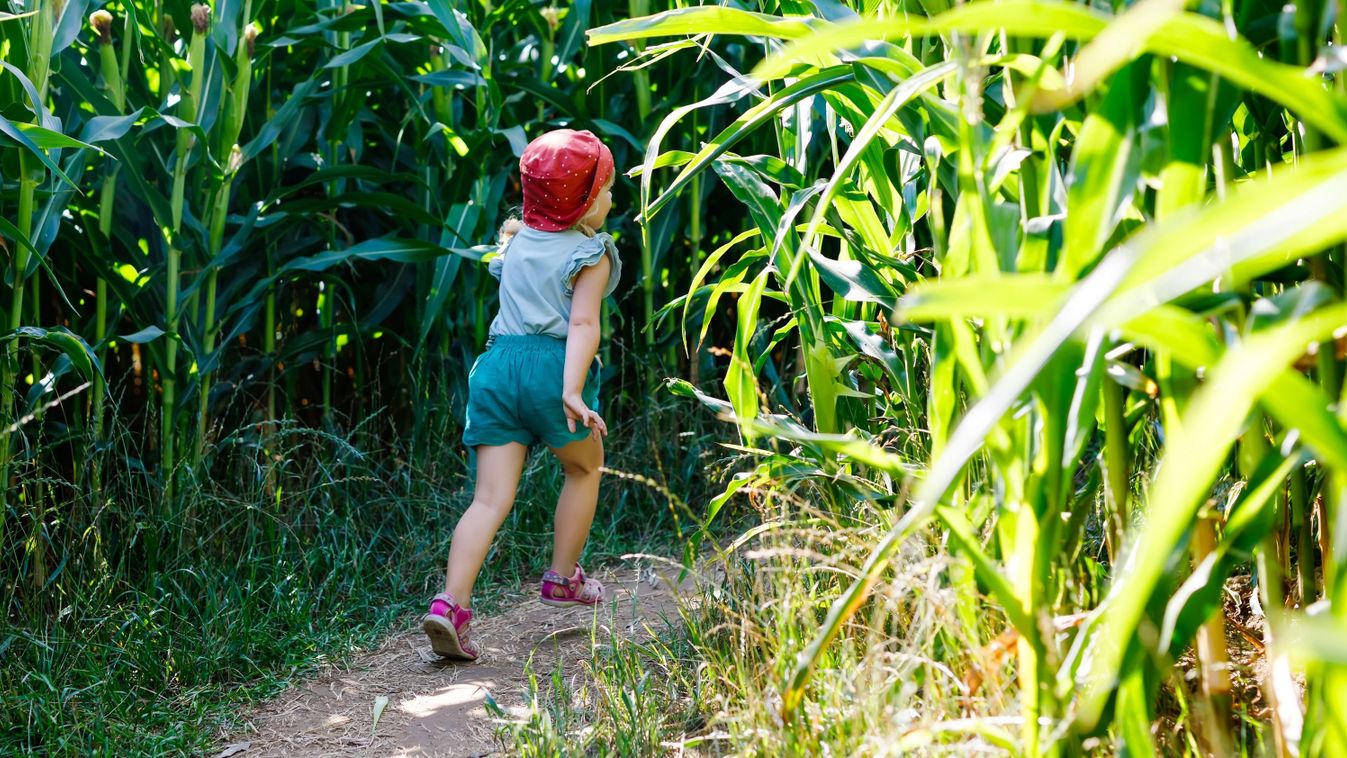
column 1068, row 225
column 225, row 225
column 261, row 208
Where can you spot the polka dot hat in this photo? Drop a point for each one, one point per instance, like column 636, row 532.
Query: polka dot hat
column 562, row 171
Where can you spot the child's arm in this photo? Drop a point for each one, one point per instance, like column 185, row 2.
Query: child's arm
column 582, row 341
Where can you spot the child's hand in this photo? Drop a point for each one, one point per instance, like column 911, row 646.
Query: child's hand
column 576, row 410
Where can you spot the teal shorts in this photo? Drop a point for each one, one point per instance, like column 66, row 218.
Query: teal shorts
column 514, row 393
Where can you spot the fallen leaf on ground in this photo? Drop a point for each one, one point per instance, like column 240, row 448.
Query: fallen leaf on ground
column 380, row 703
column 234, row 749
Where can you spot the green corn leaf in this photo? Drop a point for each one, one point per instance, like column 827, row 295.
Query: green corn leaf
column 108, row 128
column 729, row 281
column 573, row 31
column 737, row 482
column 821, row 370
column 745, row 124
column 702, row 20
column 1315, row 639
column 771, row 168
column 896, row 99
column 617, row 130
column 355, row 54
column 62, row 339
column 385, row 248
column 1023, row 296
column 21, row 136
column 51, row 140
column 764, row 207
column 1020, row 18
column 854, row 280
column 881, row 118
column 1300, row 405
column 741, row 382
column 875, row 346
column 1266, row 215
column 1104, row 170
column 148, row 334
column 684, row 388
column 34, row 104
column 1192, row 459
column 1251, row 519
column 943, row 390
column 961, row 533
column 846, row 447
column 1188, row 37
column 451, row 78
column 462, row 32
column 461, row 221
column 1108, row 52
column 12, row 232
column 703, row 271
column 277, row 124
column 1135, row 707
column 1182, row 180
column 1180, row 332
column 1288, row 305
column 1290, row 398
column 1263, row 226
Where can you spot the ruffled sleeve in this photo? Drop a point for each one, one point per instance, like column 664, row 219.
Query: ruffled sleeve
column 588, row 253
column 496, row 266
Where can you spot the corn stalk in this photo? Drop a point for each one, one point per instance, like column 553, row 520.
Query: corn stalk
column 186, row 140
column 113, row 82
column 32, row 172
column 229, row 127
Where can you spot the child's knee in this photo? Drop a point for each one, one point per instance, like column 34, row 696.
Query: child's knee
column 582, row 469
column 498, row 508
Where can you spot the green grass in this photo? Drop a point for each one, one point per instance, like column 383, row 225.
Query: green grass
column 1025, row 313
column 636, row 697
column 106, row 661
column 155, row 672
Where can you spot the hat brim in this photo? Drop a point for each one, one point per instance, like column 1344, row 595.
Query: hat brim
column 603, row 171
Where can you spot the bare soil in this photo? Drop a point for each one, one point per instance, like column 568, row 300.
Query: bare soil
column 435, row 707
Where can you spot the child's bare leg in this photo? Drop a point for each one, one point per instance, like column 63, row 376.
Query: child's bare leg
column 498, row 470
column 581, row 461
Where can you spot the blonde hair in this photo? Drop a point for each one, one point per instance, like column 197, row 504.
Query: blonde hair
column 513, row 225
column 509, row 229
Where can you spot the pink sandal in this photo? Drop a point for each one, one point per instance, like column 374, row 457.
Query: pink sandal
column 565, row 592
column 447, row 627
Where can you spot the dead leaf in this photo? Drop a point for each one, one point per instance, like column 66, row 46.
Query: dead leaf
column 380, row 703
column 234, row 749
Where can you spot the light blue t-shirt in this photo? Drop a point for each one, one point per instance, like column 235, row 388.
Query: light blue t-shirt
column 537, row 278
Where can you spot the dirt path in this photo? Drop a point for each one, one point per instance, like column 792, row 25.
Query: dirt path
column 437, row 708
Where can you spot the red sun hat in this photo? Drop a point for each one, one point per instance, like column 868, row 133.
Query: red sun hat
column 562, row 171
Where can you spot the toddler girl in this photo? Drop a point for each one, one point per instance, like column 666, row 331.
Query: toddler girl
column 537, row 381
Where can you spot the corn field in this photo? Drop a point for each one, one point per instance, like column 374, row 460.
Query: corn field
column 1024, row 320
